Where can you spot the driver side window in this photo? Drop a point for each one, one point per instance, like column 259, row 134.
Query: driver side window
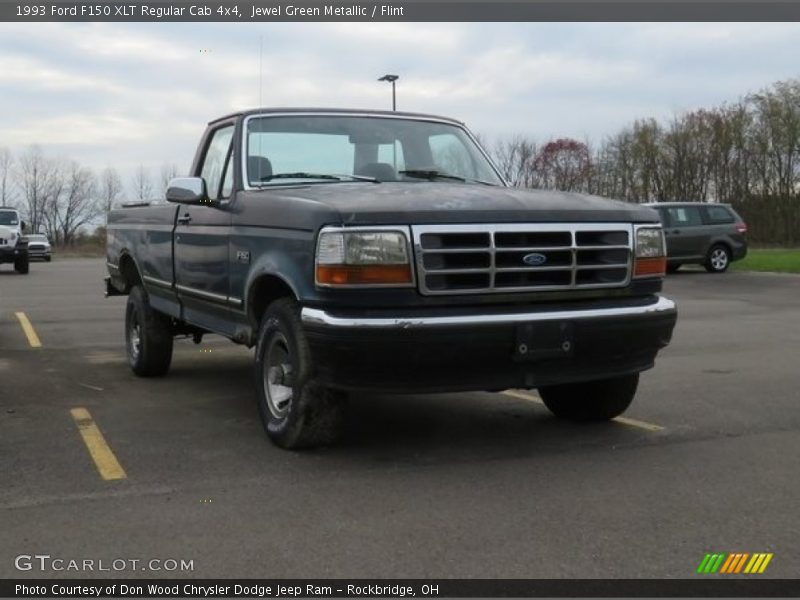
column 217, row 168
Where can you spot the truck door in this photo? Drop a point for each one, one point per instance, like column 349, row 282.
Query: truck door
column 202, row 235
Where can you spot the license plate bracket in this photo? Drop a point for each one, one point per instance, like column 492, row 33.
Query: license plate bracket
column 547, row 339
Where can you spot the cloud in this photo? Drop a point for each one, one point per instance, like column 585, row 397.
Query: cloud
column 124, row 94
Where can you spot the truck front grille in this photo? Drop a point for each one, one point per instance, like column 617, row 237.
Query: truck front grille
column 480, row 259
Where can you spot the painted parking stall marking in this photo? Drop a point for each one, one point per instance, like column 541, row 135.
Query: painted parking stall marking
column 623, row 420
column 107, row 464
column 30, row 332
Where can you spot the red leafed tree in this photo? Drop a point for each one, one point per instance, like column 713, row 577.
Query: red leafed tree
column 563, row 164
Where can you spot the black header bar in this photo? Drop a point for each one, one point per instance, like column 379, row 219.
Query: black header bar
column 399, row 10
column 702, row 586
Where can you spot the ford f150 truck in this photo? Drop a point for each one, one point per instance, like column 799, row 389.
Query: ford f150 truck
column 367, row 250
column 13, row 243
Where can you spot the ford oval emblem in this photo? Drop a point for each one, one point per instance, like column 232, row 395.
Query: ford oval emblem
column 535, row 259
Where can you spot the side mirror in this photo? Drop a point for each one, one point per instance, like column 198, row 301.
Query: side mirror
column 22, row 225
column 187, row 190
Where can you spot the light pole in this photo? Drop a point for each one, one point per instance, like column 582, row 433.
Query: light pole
column 392, row 79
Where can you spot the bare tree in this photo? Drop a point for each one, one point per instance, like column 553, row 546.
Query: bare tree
column 142, row 184
column 110, row 188
column 514, row 157
column 39, row 180
column 169, row 171
column 6, row 163
column 77, row 205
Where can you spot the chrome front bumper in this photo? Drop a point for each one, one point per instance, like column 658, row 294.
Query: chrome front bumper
column 319, row 318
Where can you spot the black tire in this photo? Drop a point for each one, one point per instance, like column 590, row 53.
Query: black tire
column 22, row 264
column 718, row 259
column 148, row 336
column 673, row 268
column 295, row 411
column 48, row 258
column 599, row 400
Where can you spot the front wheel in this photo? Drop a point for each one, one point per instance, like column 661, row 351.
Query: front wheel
column 148, row 336
column 599, row 400
column 718, row 259
column 295, row 412
column 22, row 264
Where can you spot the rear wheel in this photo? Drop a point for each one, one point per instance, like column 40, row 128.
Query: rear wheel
column 599, row 400
column 718, row 259
column 295, row 412
column 22, row 264
column 148, row 336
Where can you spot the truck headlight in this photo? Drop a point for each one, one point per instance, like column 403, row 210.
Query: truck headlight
column 651, row 255
column 363, row 257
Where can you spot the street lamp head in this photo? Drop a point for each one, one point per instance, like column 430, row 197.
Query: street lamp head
column 390, row 78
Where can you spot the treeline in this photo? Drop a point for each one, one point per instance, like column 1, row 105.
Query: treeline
column 746, row 153
column 61, row 197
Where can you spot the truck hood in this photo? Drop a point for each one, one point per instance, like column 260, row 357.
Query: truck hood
column 444, row 202
column 6, row 231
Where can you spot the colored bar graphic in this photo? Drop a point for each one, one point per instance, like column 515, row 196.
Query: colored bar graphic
column 755, row 561
column 717, row 563
column 727, row 563
column 734, row 563
column 703, row 563
column 739, row 566
column 730, row 566
column 767, row 558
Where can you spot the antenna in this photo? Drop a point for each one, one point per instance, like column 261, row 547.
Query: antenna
column 260, row 70
column 260, row 105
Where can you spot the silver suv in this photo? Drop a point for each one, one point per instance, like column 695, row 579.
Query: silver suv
column 712, row 235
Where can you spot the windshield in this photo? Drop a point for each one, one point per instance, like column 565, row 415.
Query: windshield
column 37, row 238
column 330, row 149
column 8, row 217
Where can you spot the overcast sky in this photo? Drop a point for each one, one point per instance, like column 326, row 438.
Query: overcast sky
column 125, row 94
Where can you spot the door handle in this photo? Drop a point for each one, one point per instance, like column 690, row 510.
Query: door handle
column 185, row 219
column 676, row 231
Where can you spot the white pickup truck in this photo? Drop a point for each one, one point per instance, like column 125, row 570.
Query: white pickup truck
column 13, row 244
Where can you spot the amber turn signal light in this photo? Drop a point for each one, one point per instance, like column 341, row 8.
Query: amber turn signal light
column 650, row 267
column 363, row 274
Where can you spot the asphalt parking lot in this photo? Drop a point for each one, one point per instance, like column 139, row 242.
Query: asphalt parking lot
column 461, row 485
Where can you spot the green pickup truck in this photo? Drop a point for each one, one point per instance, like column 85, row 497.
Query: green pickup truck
column 369, row 250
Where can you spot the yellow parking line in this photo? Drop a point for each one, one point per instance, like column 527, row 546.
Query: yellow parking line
column 30, row 332
column 523, row 396
column 103, row 457
column 639, row 424
column 623, row 420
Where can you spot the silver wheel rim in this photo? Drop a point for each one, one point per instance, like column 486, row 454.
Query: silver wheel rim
column 135, row 337
column 719, row 259
column 278, row 371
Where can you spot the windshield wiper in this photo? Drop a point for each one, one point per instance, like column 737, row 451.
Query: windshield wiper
column 326, row 176
column 299, row 175
column 434, row 174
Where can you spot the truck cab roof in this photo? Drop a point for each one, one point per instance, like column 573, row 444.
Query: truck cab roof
column 338, row 111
